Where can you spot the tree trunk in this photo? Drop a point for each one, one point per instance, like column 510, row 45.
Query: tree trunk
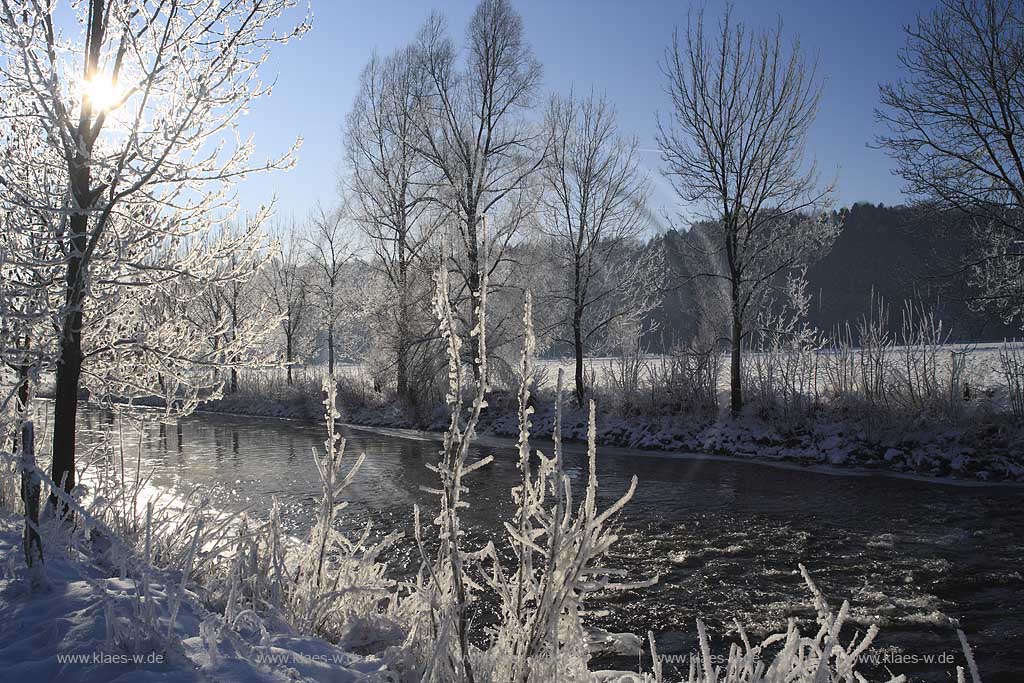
column 330, row 350
column 736, row 338
column 234, row 336
column 22, row 406
column 402, row 362
column 473, row 254
column 23, row 389
column 216, row 368
column 65, row 406
column 69, row 363
column 402, row 350
column 735, row 368
column 402, row 369
column 288, row 357
column 31, row 543
column 577, row 342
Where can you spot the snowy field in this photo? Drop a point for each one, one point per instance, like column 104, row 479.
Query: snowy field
column 982, row 371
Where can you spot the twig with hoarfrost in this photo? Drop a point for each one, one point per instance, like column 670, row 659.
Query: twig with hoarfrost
column 337, row 580
column 450, row 588
column 559, row 546
column 185, row 572
column 798, row 658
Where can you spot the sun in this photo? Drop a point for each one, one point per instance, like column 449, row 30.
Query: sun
column 102, row 93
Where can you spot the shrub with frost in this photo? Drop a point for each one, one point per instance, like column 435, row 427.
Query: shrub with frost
column 559, row 543
column 555, row 540
column 338, row 588
column 798, row 658
column 440, row 644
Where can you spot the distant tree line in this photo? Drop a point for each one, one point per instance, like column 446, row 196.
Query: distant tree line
column 896, row 253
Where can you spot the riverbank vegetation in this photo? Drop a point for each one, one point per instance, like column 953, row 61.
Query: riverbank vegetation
column 911, row 402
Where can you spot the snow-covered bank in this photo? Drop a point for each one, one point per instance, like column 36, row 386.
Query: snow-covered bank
column 491, row 440
column 989, row 450
column 992, row 452
column 85, row 627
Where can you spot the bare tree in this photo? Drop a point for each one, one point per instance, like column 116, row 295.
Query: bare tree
column 389, row 183
column 475, row 135
column 742, row 104
column 29, row 265
column 330, row 251
column 956, row 131
column 286, row 287
column 593, row 212
column 243, row 306
column 229, row 311
column 135, row 112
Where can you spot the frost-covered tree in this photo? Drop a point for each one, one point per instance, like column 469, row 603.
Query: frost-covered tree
column 594, row 210
column 476, row 135
column 136, row 105
column 956, row 131
column 330, row 251
column 733, row 142
column 29, row 268
column 243, row 307
column 286, row 285
column 229, row 311
column 389, row 183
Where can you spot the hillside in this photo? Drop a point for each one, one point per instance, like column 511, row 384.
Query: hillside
column 898, row 252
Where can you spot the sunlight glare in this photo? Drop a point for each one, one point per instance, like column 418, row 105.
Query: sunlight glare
column 101, row 92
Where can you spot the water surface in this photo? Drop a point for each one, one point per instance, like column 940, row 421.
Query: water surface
column 726, row 537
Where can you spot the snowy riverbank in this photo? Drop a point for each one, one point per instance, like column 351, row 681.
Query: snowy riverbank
column 85, row 628
column 989, row 450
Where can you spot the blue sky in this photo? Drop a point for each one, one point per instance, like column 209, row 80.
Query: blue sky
column 609, row 45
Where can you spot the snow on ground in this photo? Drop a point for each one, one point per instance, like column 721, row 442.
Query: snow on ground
column 85, row 628
column 982, row 367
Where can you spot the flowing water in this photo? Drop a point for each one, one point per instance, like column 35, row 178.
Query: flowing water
column 725, row 537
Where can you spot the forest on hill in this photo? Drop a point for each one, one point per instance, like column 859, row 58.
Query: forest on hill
column 890, row 253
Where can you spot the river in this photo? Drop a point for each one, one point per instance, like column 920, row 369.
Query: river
column 724, row 536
